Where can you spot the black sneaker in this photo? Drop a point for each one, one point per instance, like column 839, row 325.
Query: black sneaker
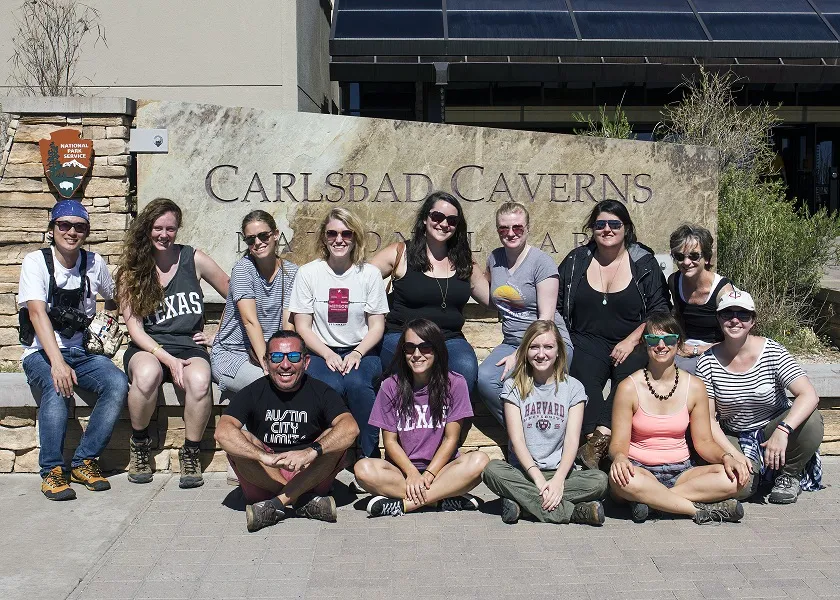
column 639, row 512
column 139, row 462
column 730, row 511
column 380, row 506
column 462, row 502
column 320, row 508
column 510, row 511
column 263, row 514
column 190, row 459
column 588, row 513
column 785, row 490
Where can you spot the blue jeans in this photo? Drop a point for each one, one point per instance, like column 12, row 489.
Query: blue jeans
column 357, row 388
column 94, row 373
column 462, row 359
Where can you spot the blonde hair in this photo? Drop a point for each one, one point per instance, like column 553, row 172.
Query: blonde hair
column 353, row 223
column 523, row 376
column 513, row 207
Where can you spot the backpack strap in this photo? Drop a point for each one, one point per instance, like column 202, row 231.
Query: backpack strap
column 48, row 259
column 83, row 276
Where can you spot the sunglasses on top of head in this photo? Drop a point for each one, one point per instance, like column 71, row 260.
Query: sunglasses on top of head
column 438, row 217
column 277, row 357
column 670, row 339
column 346, row 235
column 744, row 316
column 262, row 236
column 518, row 230
column 602, row 224
column 681, row 256
column 65, row 226
column 423, row 347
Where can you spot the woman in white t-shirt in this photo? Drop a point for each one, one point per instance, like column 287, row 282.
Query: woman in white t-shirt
column 544, row 414
column 747, row 378
column 338, row 306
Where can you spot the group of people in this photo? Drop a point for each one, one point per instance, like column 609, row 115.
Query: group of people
column 696, row 418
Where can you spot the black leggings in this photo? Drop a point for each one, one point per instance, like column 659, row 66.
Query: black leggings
column 594, row 372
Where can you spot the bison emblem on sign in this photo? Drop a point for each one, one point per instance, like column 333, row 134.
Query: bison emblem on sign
column 67, row 159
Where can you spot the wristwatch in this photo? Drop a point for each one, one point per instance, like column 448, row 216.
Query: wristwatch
column 696, row 350
column 317, row 448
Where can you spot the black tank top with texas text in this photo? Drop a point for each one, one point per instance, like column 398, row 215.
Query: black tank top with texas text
column 181, row 314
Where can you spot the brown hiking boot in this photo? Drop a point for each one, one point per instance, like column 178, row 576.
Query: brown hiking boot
column 320, row 508
column 594, row 450
column 89, row 474
column 730, row 511
column 588, row 513
column 190, row 459
column 56, row 487
column 139, row 462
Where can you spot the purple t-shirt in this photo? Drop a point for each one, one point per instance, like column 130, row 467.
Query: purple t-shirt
column 417, row 436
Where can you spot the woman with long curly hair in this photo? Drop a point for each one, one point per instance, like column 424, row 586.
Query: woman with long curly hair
column 432, row 277
column 420, row 410
column 163, row 306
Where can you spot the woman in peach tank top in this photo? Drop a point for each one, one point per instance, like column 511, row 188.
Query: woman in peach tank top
column 652, row 466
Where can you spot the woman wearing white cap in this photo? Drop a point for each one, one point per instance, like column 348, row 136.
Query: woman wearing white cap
column 746, row 377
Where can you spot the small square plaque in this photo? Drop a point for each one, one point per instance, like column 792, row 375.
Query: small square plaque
column 148, row 141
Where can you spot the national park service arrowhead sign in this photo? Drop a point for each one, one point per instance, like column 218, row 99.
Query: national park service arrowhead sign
column 67, row 159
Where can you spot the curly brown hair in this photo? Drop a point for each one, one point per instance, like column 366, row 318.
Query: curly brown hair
column 136, row 279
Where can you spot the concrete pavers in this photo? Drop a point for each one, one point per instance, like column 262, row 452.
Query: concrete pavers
column 160, row 541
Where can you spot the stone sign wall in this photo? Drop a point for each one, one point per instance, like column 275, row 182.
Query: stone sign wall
column 224, row 162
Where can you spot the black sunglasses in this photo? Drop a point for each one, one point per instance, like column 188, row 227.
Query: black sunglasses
column 744, row 316
column 423, row 347
column 614, row 224
column 346, row 235
column 277, row 357
column 438, row 217
column 692, row 256
column 65, row 226
column 263, row 236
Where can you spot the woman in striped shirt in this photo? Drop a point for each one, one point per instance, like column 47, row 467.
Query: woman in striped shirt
column 746, row 377
column 257, row 305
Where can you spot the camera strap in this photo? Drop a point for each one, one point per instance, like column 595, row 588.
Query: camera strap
column 48, row 259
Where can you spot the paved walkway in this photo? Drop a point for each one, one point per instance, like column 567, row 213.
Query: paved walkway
column 159, row 541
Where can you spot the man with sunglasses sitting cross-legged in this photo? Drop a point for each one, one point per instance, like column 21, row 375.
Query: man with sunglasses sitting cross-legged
column 298, row 429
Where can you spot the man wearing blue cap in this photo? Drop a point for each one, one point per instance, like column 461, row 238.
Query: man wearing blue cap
column 57, row 298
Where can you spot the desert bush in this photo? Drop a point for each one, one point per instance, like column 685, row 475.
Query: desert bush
column 616, row 126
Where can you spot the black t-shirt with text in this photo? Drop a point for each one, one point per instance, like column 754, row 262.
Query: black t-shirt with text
column 286, row 420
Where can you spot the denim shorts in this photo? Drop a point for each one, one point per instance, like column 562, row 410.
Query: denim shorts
column 667, row 474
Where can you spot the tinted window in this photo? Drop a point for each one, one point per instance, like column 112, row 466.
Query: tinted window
column 510, row 25
column 389, row 24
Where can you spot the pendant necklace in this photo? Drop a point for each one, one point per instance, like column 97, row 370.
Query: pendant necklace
column 443, row 292
column 673, row 389
column 601, row 278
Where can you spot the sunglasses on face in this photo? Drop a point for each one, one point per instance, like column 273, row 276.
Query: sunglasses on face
column 65, row 226
column 518, row 230
column 262, row 236
column 277, row 357
column 744, row 316
column 346, row 235
column 692, row 256
column 614, row 224
column 438, row 217
column 423, row 347
column 653, row 340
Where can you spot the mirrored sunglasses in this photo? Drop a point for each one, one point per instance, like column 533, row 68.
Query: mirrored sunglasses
column 653, row 340
column 614, row 224
column 518, row 230
column 277, row 357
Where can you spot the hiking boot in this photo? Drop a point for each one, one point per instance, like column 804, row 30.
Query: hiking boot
column 190, row 459
column 56, row 487
column 510, row 511
column 90, row 475
column 139, row 462
column 320, row 508
column 380, row 506
column 462, row 502
column 639, row 512
column 785, row 490
column 262, row 514
column 594, row 450
column 730, row 511
column 588, row 513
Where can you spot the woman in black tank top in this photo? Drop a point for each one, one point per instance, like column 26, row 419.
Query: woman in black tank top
column 432, row 277
column 161, row 300
column 695, row 290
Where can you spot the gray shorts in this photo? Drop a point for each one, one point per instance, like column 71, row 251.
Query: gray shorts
column 666, row 474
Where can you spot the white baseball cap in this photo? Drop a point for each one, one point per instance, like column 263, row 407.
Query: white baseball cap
column 736, row 298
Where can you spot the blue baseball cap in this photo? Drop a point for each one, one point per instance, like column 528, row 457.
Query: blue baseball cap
column 68, row 208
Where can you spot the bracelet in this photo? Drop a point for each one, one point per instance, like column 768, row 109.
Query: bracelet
column 432, row 472
column 362, row 355
column 155, row 349
column 784, row 427
column 531, row 467
column 696, row 350
column 727, row 454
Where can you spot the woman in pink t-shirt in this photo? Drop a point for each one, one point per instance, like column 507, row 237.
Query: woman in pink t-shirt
column 652, row 466
column 420, row 410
